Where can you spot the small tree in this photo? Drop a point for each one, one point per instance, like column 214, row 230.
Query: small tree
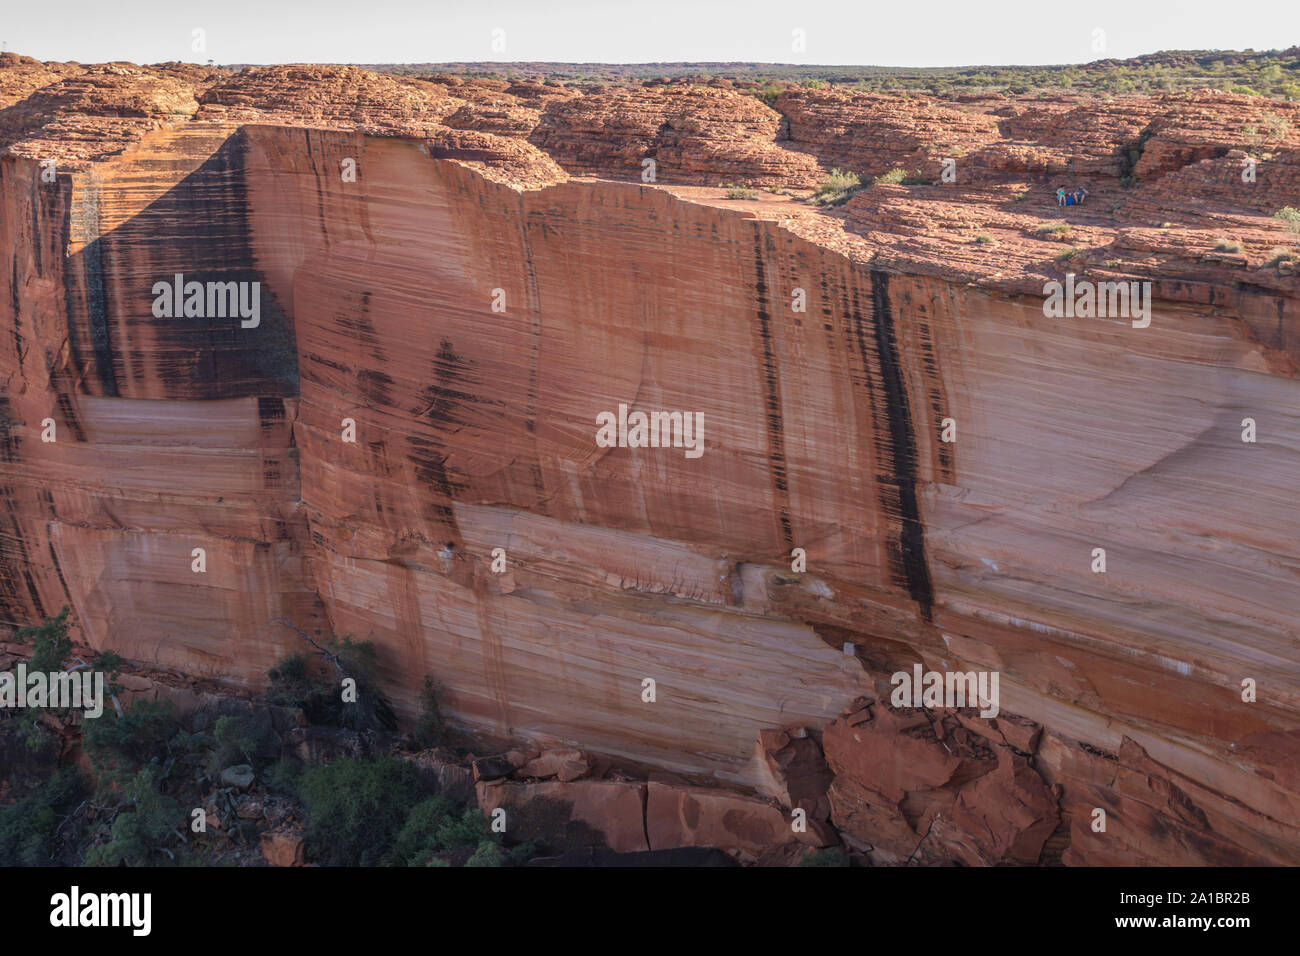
column 313, row 681
column 149, row 733
column 51, row 643
column 139, row 833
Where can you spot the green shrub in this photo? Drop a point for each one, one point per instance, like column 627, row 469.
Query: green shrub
column 1067, row 254
column 487, row 854
column 246, row 738
column 892, row 178
column 832, row 856
column 740, row 192
column 233, row 745
column 119, row 746
column 1228, row 245
column 418, row 839
column 356, row 809
column 283, row 778
column 984, row 239
column 1057, row 229
column 140, row 833
column 28, row 828
column 1281, row 254
column 768, row 92
column 836, row 188
column 464, row 831
column 1289, row 215
column 523, row 852
column 51, row 644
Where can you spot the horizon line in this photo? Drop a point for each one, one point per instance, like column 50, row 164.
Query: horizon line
column 670, row 63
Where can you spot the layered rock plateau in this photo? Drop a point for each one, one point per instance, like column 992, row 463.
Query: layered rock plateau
column 497, row 273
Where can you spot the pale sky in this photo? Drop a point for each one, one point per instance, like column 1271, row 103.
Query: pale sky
column 861, row 32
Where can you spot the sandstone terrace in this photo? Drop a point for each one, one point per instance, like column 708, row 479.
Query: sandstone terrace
column 1163, row 171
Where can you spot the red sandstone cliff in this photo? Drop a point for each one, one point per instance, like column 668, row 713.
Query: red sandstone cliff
column 475, row 431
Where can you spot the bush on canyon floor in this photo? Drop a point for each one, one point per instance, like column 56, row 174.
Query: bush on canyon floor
column 1052, row 229
column 243, row 738
column 30, row 829
column 437, row 826
column 140, row 830
column 836, row 188
column 373, row 812
column 1228, row 245
column 740, row 192
column 120, row 745
column 487, row 854
column 418, row 838
column 1281, row 254
column 984, row 239
column 356, row 809
column 283, row 778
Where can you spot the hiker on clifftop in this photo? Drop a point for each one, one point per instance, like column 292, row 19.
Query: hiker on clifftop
column 1080, row 194
column 1060, row 196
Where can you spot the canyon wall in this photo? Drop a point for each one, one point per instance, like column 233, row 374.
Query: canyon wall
column 467, row 326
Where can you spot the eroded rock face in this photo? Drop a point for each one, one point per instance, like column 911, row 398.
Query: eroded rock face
column 915, row 786
column 475, row 430
column 567, row 815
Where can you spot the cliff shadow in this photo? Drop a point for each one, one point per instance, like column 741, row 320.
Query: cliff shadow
column 199, row 229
